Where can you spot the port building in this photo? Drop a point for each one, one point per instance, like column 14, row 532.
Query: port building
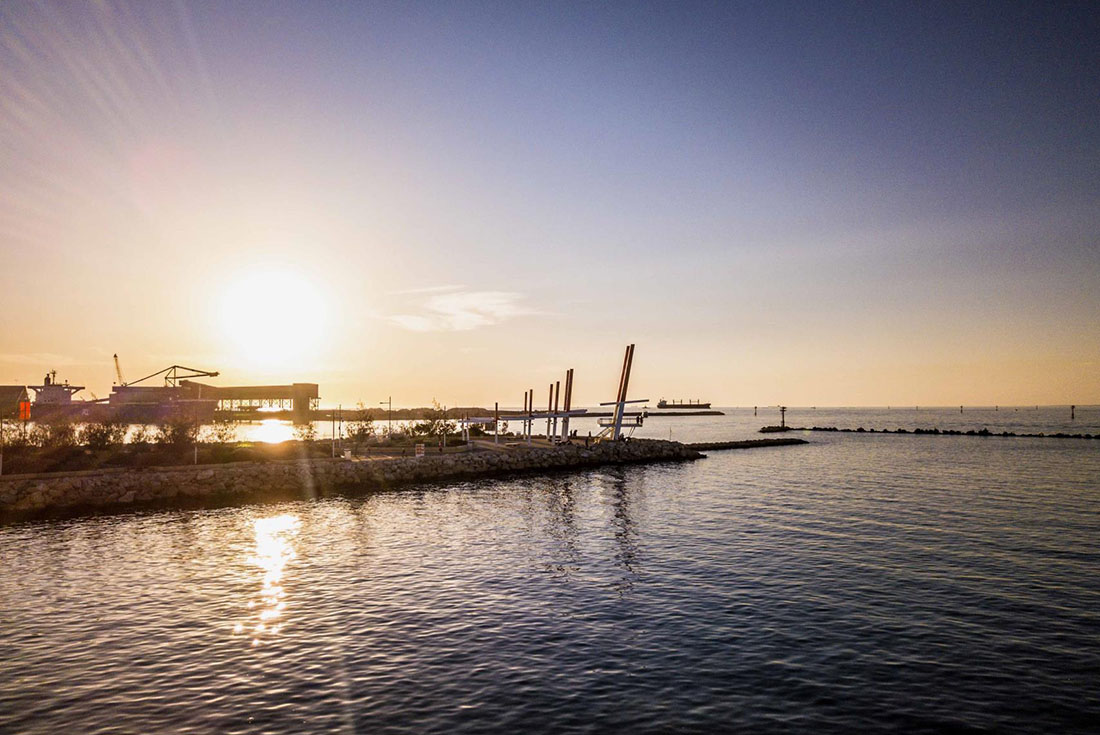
column 251, row 401
column 11, row 396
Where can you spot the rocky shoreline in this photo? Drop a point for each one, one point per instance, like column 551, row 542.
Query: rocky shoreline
column 24, row 496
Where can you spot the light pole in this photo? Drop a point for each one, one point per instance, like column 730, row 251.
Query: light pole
column 389, row 421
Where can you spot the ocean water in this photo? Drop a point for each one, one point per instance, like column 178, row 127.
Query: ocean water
column 862, row 582
column 744, row 423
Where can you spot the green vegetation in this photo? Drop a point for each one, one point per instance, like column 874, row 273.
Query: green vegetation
column 179, row 431
column 220, row 432
column 305, row 432
column 66, row 447
column 361, row 428
column 101, row 435
column 434, row 423
column 55, row 435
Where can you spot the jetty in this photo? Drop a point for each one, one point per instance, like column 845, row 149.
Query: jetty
column 306, row 476
column 951, row 432
column 746, row 444
column 29, row 495
column 33, row 495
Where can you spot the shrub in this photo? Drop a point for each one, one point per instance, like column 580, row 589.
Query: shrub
column 60, row 434
column 305, row 432
column 180, row 431
column 362, row 427
column 435, row 422
column 141, row 436
column 221, row 432
column 14, row 435
column 102, row 434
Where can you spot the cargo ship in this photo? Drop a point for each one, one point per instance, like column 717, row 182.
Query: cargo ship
column 689, row 404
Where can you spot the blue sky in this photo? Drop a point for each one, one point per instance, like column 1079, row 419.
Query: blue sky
column 817, row 203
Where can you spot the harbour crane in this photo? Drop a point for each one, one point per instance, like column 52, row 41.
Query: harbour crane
column 176, row 373
column 118, row 371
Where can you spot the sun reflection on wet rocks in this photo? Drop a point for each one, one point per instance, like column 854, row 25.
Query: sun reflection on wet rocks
column 274, row 549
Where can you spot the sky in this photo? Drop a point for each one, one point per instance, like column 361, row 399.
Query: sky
column 821, row 203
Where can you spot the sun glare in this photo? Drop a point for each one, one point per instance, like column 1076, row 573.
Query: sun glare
column 268, row 431
column 273, row 320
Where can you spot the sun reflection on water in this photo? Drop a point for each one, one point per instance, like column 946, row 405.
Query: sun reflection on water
column 274, row 550
column 268, row 431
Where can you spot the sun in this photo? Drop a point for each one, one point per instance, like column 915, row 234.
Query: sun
column 273, row 320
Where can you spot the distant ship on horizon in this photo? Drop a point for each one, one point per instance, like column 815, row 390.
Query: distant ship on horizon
column 682, row 404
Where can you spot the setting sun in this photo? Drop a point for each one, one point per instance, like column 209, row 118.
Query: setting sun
column 272, row 319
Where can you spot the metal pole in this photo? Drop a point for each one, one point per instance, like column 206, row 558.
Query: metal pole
column 530, row 410
column 616, row 416
column 549, row 408
column 557, row 394
column 496, row 423
column 389, row 421
column 624, row 384
column 568, row 404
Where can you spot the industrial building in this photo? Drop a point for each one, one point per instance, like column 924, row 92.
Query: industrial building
column 251, row 401
column 11, row 396
column 179, row 395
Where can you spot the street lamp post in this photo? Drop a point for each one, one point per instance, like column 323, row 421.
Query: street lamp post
column 388, row 403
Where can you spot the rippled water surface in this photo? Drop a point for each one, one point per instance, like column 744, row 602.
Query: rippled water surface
column 861, row 582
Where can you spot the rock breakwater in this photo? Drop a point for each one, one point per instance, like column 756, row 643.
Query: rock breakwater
column 28, row 495
column 952, row 432
column 746, row 444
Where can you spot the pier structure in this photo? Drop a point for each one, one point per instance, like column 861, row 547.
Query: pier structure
column 248, row 401
column 559, row 409
column 613, row 427
column 181, row 392
column 467, row 421
column 556, row 415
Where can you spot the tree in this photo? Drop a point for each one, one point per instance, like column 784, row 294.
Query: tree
column 178, row 431
column 435, row 422
column 361, row 427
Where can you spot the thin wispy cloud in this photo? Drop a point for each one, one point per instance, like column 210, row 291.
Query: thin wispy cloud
column 454, row 309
